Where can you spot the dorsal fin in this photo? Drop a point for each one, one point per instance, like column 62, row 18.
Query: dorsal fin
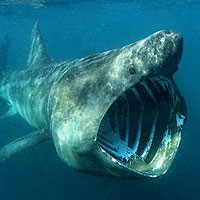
column 38, row 56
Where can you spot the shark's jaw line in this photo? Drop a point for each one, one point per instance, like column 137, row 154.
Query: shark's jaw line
column 141, row 129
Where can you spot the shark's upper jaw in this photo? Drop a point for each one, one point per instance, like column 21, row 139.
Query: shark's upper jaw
column 141, row 130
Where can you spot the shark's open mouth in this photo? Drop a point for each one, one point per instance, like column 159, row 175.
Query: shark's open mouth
column 141, row 129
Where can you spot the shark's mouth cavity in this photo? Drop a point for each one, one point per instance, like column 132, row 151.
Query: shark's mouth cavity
column 141, row 129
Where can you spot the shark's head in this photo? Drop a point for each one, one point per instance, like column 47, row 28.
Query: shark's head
column 119, row 113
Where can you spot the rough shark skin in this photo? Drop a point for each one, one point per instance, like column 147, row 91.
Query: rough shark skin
column 70, row 101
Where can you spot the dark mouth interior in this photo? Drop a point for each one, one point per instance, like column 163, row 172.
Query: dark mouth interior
column 137, row 121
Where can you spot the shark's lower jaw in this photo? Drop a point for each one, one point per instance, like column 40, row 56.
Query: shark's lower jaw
column 141, row 130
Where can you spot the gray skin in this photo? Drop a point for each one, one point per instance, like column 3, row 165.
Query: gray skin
column 68, row 100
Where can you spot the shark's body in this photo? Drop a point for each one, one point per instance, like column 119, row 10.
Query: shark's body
column 88, row 106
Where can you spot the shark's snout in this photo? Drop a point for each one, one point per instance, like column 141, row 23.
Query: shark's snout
column 175, row 49
column 171, row 46
column 158, row 54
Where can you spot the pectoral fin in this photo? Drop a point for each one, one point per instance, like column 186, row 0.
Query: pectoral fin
column 22, row 144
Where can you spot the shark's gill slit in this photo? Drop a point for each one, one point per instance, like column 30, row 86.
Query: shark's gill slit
column 136, row 123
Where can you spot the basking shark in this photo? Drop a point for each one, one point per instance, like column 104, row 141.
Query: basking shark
column 117, row 113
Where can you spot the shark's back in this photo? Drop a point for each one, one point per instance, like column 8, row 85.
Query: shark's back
column 28, row 90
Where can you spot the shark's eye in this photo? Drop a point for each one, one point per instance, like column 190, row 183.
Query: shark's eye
column 132, row 71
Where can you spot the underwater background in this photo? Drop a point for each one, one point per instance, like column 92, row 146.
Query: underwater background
column 78, row 29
